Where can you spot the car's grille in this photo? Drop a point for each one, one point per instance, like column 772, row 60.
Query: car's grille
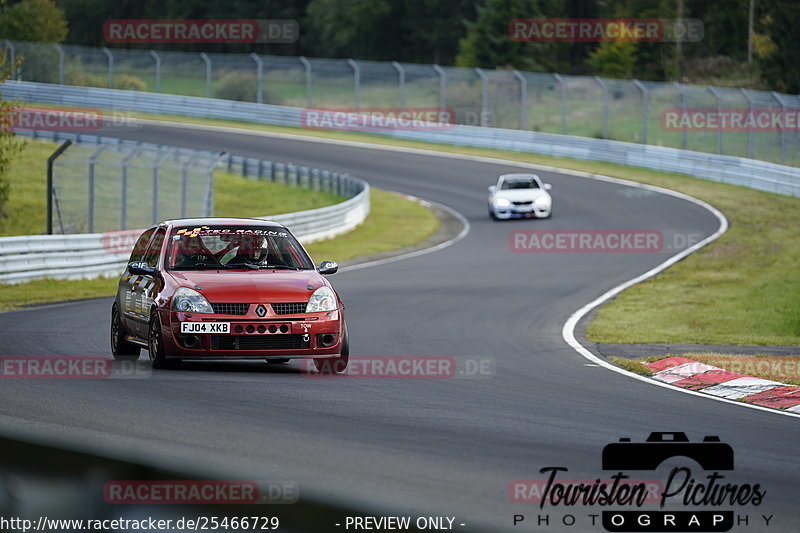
column 528, row 202
column 258, row 342
column 230, row 309
column 293, row 308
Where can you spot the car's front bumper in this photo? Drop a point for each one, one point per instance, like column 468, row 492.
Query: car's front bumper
column 513, row 211
column 315, row 335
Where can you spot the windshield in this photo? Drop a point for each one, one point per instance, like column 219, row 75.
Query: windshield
column 520, row 184
column 235, row 248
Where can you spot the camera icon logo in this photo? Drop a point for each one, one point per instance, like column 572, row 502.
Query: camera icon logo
column 710, row 454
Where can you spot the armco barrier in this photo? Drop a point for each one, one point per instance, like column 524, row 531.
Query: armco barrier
column 31, row 257
column 728, row 169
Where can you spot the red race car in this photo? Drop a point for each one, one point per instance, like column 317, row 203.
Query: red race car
column 227, row 288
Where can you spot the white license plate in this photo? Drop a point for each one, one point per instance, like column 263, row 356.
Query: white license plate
column 205, row 327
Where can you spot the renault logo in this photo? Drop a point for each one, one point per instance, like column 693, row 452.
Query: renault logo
column 261, row 310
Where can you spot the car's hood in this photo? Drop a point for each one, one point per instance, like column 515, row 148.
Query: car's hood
column 252, row 286
column 520, row 194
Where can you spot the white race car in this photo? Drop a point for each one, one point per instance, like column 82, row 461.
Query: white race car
column 520, row 196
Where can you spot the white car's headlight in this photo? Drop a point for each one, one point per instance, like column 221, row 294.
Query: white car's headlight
column 502, row 202
column 542, row 200
column 190, row 301
column 323, row 299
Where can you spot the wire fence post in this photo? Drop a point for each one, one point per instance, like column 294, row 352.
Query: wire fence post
column 484, row 95
column 684, row 134
column 92, row 161
column 523, row 99
column 12, row 50
column 401, row 83
column 442, row 86
column 718, row 96
column 645, row 108
column 259, row 77
column 50, row 160
column 123, row 216
column 749, row 130
column 356, row 82
column 157, row 59
column 110, row 58
column 604, row 87
column 207, row 61
column 60, row 52
column 563, row 86
column 307, row 66
column 777, row 97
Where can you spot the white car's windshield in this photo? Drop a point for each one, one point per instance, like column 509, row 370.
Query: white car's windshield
column 235, row 248
column 519, row 184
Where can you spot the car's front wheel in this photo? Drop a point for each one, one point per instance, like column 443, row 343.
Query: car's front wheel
column 155, row 343
column 336, row 365
column 121, row 348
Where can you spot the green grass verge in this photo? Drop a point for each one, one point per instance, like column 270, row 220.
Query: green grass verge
column 632, row 365
column 394, row 222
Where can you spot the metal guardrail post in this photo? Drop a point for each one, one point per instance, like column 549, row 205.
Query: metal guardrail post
column 307, row 65
column 484, row 96
column 604, row 87
column 562, row 83
column 207, row 61
column 718, row 96
column 356, row 82
column 259, row 77
column 92, row 160
column 645, row 108
column 50, row 160
column 123, row 218
column 110, row 58
column 442, row 85
column 401, row 83
column 157, row 59
column 523, row 99
column 60, row 52
column 683, row 109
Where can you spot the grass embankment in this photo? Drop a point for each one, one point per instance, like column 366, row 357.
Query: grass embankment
column 394, row 222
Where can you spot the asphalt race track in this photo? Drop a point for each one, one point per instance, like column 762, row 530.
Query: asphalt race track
column 419, row 446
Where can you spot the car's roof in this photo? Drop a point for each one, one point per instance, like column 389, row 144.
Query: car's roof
column 220, row 221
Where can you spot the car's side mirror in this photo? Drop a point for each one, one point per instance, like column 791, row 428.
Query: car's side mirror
column 141, row 268
column 328, row 267
column 547, row 186
column 492, row 188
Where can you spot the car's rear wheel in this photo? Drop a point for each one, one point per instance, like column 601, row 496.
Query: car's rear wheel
column 155, row 344
column 336, row 365
column 121, row 348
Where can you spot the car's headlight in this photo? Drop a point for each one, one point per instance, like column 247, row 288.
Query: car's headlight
column 190, row 301
column 542, row 200
column 502, row 202
column 323, row 299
